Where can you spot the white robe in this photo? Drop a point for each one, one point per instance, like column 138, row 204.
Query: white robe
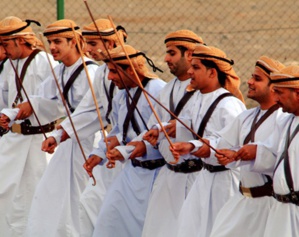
column 283, row 218
column 55, row 208
column 124, row 206
column 21, row 160
column 170, row 188
column 87, row 123
column 246, row 216
column 210, row 191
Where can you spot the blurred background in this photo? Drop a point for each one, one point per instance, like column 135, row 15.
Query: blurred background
column 244, row 29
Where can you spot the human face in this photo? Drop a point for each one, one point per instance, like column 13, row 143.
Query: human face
column 200, row 76
column 2, row 53
column 61, row 48
column 288, row 99
column 178, row 64
column 118, row 77
column 259, row 88
column 93, row 48
column 13, row 48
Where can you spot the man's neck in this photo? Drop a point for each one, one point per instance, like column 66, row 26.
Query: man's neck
column 265, row 105
column 26, row 52
column 183, row 77
column 71, row 60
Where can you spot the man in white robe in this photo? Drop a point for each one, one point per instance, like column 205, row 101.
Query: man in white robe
column 124, row 206
column 253, row 125
column 3, row 61
column 283, row 217
column 175, row 97
column 21, row 160
column 211, row 73
column 52, row 212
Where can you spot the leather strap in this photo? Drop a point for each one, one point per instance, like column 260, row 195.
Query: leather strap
column 255, row 126
column 130, row 113
column 293, row 196
column 25, row 128
column 287, row 167
column 208, row 114
column 2, row 64
column 187, row 166
column 181, row 103
column 19, row 80
column 214, row 168
column 71, row 80
column 258, row 191
column 148, row 164
column 109, row 96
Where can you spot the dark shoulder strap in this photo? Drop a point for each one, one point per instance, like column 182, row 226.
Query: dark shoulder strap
column 72, row 79
column 287, row 167
column 255, row 126
column 130, row 114
column 27, row 62
column 208, row 114
column 182, row 103
column 2, row 65
column 19, row 81
column 109, row 96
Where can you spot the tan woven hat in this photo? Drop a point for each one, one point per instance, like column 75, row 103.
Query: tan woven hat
column 13, row 27
column 269, row 65
column 137, row 58
column 105, row 30
column 224, row 64
column 186, row 38
column 288, row 77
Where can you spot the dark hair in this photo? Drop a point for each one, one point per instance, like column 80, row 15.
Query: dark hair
column 77, row 47
column 182, row 49
column 211, row 64
column 26, row 43
column 123, row 66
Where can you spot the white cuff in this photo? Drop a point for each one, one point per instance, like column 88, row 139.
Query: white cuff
column 125, row 151
column 57, row 134
column 197, row 144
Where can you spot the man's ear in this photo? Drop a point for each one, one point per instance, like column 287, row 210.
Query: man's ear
column 130, row 71
column 74, row 42
column 297, row 93
column 110, row 44
column 21, row 40
column 213, row 73
column 188, row 54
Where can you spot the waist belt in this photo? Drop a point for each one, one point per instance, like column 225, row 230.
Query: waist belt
column 3, row 131
column 188, row 166
column 25, row 128
column 148, row 164
column 259, row 191
column 288, row 198
column 214, row 168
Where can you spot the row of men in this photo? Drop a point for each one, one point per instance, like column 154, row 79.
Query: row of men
column 167, row 179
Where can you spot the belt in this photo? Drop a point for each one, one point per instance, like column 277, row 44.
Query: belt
column 188, row 166
column 288, row 198
column 148, row 164
column 25, row 128
column 214, row 168
column 3, row 131
column 259, row 191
